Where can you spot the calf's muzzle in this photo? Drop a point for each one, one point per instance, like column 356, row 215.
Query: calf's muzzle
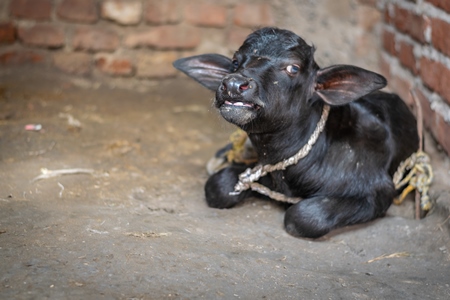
column 235, row 84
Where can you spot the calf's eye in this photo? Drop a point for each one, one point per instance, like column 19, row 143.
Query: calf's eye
column 235, row 64
column 293, row 69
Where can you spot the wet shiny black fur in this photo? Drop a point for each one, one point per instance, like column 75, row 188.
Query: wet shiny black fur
column 274, row 90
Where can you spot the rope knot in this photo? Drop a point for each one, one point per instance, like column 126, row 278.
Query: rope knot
column 419, row 175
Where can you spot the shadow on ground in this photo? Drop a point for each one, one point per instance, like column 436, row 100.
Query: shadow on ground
column 136, row 226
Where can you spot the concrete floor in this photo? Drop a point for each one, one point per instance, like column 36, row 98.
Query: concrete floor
column 136, row 226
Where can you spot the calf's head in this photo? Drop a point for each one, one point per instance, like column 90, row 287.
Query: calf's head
column 272, row 80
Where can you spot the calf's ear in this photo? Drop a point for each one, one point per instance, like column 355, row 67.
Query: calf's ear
column 342, row 84
column 207, row 69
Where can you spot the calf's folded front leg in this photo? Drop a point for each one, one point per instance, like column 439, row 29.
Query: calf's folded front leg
column 220, row 184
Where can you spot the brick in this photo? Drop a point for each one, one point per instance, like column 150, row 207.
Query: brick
column 165, row 37
column 156, row 65
column 401, row 18
column 430, row 72
column 443, row 4
column 440, row 36
column 211, row 15
column 95, row 39
column 436, row 76
column 83, row 11
column 443, row 128
column 389, row 42
column 31, row 9
column 7, row 33
column 74, row 63
column 406, row 56
column 42, row 35
column 367, row 17
column 236, row 37
column 123, row 12
column 445, row 85
column 253, row 15
column 20, row 57
column 115, row 66
column 411, row 23
column 163, row 12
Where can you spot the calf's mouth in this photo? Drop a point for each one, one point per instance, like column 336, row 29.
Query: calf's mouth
column 238, row 111
column 243, row 104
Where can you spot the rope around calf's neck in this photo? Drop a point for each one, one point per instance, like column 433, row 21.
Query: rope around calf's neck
column 247, row 179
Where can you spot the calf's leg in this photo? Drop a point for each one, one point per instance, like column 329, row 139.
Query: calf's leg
column 220, row 184
column 316, row 216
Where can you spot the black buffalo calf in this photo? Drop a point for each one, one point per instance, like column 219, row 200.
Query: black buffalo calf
column 326, row 137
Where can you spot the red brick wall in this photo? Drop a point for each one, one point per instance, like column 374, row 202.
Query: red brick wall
column 122, row 38
column 416, row 53
column 138, row 39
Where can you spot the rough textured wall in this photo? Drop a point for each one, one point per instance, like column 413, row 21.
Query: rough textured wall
column 416, row 53
column 140, row 38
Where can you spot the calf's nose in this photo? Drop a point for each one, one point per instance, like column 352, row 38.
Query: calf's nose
column 235, row 84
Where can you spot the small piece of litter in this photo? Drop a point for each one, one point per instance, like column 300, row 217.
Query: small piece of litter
column 45, row 173
column 72, row 122
column 97, row 231
column 33, row 127
column 148, row 234
column 62, row 189
column 393, row 255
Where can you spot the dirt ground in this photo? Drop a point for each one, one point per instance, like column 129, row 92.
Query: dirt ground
column 135, row 224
